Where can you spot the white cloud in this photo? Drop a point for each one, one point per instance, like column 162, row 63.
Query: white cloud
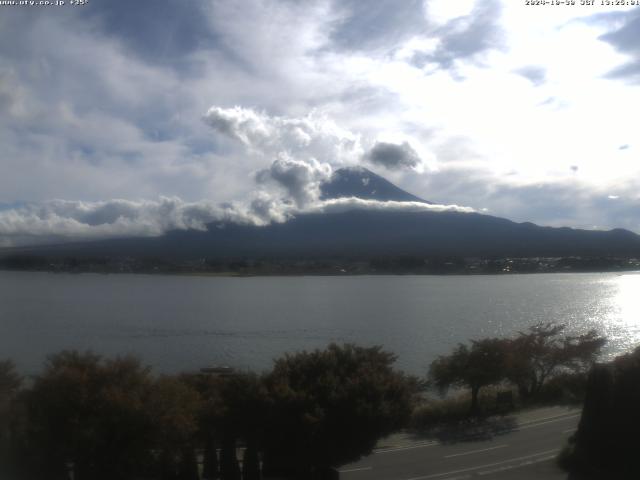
column 303, row 151
column 300, row 180
column 59, row 220
column 313, row 136
column 114, row 218
column 345, row 204
column 443, row 11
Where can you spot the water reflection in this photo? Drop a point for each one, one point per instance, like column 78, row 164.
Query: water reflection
column 179, row 323
column 622, row 324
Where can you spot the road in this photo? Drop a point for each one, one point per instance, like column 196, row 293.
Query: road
column 500, row 448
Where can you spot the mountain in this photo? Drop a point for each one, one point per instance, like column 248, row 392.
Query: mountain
column 362, row 183
column 366, row 234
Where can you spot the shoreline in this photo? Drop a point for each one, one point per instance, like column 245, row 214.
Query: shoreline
column 318, row 274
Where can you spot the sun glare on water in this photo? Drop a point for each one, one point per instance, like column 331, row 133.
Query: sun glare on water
column 624, row 316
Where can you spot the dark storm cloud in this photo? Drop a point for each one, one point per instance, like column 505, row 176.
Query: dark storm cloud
column 626, row 40
column 465, row 37
column 393, row 156
column 365, row 25
column 535, row 74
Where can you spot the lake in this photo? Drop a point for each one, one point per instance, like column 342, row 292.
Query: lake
column 177, row 323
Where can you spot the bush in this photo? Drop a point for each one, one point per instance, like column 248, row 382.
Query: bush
column 565, row 388
column 453, row 409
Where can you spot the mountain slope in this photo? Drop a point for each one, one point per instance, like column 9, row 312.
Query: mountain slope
column 363, row 183
column 365, row 233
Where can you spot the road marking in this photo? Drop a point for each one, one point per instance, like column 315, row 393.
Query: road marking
column 360, row 469
column 475, row 451
column 399, row 449
column 521, row 426
column 558, row 417
column 569, row 430
column 517, row 459
column 544, row 423
column 522, row 464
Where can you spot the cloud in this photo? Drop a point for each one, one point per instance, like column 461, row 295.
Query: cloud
column 241, row 124
column 535, row 74
column 114, row 218
column 624, row 38
column 394, row 156
column 312, row 137
column 300, row 180
column 302, row 151
column 376, row 25
column 465, row 37
column 60, row 221
column 117, row 112
column 561, row 202
column 339, row 205
column 157, row 31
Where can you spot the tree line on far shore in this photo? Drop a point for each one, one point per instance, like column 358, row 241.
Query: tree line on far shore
column 99, row 418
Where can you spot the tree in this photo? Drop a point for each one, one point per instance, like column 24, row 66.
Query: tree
column 541, row 352
column 175, row 407
column 209, row 419
column 90, row 413
column 10, row 383
column 244, row 406
column 329, row 407
column 481, row 364
column 606, row 442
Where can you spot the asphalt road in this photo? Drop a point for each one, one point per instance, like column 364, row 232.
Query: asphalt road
column 500, row 448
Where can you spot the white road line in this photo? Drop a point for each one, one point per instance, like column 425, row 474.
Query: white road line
column 517, row 459
column 522, row 464
column 559, row 417
column 475, row 451
column 569, row 430
column 360, row 469
column 521, row 426
column 544, row 423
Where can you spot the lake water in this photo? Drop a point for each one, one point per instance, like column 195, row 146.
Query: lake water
column 178, row 323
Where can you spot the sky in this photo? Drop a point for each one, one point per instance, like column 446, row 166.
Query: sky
column 133, row 118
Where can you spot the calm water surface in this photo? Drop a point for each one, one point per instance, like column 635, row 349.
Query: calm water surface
column 178, row 322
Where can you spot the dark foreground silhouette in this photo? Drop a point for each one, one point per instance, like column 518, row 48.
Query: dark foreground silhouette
column 606, row 444
column 112, row 419
column 96, row 418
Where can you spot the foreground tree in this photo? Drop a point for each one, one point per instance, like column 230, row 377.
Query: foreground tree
column 478, row 365
column 329, row 407
column 10, row 383
column 174, row 407
column 606, row 442
column 90, row 414
column 541, row 352
column 244, row 414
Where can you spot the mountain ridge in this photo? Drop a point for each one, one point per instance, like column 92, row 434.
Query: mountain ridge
column 363, row 233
